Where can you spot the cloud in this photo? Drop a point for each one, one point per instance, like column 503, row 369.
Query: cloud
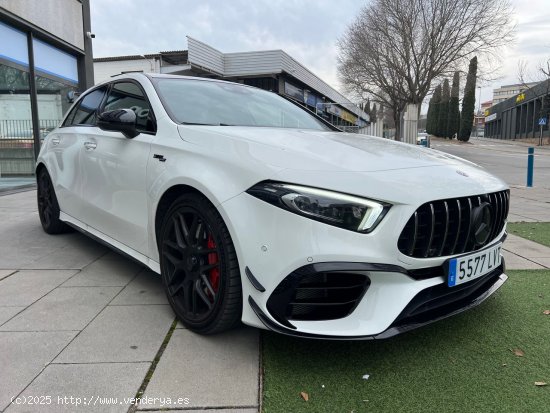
column 306, row 29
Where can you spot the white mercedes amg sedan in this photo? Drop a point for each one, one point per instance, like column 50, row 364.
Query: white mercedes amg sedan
column 252, row 209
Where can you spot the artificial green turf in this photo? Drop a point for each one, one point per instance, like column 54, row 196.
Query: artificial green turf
column 461, row 364
column 535, row 231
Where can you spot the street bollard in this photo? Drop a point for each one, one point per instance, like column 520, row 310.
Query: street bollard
column 530, row 165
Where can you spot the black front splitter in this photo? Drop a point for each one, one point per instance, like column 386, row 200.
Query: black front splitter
column 390, row 332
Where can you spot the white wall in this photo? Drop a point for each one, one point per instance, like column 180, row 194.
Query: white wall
column 104, row 70
column 62, row 18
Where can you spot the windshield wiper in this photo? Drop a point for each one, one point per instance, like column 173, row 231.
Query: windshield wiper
column 206, row 124
column 196, row 123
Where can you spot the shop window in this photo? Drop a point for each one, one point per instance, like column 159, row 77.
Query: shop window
column 16, row 130
column 50, row 61
column 56, row 77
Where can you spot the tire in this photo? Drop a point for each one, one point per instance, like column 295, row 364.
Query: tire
column 199, row 266
column 48, row 207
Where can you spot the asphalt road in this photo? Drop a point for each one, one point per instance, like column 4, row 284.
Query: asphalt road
column 505, row 160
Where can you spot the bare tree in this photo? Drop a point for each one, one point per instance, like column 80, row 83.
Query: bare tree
column 544, row 68
column 526, row 76
column 527, row 79
column 395, row 49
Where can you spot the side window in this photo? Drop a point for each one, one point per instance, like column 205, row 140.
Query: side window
column 85, row 113
column 128, row 95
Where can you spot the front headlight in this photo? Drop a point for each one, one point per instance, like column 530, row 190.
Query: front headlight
column 333, row 208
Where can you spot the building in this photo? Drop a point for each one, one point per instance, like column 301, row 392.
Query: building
column 479, row 118
column 272, row 70
column 518, row 117
column 485, row 106
column 45, row 56
column 506, row 92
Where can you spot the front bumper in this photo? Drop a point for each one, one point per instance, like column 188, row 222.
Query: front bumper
column 430, row 305
column 272, row 243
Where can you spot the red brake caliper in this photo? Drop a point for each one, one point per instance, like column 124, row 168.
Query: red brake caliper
column 214, row 274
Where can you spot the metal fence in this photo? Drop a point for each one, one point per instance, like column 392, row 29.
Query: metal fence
column 349, row 129
column 18, row 133
column 17, row 143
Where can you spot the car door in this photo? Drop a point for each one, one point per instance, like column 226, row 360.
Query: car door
column 114, row 171
column 65, row 163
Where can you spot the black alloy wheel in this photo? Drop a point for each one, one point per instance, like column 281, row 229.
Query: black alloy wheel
column 48, row 207
column 199, row 266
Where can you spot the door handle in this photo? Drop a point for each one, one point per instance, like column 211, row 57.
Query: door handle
column 90, row 146
column 55, row 141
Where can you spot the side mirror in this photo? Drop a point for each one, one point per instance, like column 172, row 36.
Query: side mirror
column 71, row 96
column 119, row 120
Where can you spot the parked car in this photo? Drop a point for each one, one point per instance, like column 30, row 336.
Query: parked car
column 422, row 139
column 252, row 209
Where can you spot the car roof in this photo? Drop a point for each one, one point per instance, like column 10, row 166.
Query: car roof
column 136, row 75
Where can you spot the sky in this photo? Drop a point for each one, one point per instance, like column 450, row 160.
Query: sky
column 306, row 29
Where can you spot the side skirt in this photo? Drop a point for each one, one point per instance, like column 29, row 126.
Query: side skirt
column 109, row 242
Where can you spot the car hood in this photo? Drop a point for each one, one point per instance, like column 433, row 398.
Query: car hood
column 356, row 164
column 317, row 150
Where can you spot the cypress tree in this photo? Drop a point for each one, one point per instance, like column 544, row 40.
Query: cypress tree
column 468, row 103
column 453, row 124
column 433, row 111
column 373, row 113
column 443, row 119
column 429, row 116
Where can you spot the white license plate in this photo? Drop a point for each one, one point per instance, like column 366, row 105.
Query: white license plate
column 470, row 267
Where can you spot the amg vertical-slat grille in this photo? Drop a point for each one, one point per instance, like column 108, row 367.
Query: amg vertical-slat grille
column 444, row 227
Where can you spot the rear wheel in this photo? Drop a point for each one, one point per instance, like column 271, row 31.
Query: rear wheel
column 199, row 266
column 48, row 207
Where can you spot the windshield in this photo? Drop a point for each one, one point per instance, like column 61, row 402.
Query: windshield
column 202, row 102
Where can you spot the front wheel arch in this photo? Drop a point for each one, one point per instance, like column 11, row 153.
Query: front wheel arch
column 166, row 200
column 47, row 203
column 39, row 168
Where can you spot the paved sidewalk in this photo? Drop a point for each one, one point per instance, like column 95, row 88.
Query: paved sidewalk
column 77, row 319
column 527, row 205
column 523, row 254
column 534, row 142
column 15, row 184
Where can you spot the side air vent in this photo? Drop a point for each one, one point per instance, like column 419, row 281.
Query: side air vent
column 317, row 296
column 326, row 296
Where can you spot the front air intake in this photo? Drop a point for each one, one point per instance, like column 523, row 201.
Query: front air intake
column 326, row 296
column 317, row 296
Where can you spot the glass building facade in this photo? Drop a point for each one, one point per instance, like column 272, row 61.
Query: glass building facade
column 38, row 81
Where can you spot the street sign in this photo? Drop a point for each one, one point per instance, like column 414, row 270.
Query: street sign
column 542, row 121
